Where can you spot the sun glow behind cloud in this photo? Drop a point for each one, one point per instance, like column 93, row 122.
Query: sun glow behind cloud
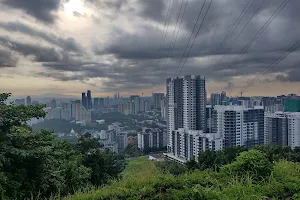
column 74, row 6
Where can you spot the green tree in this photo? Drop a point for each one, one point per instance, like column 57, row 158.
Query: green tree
column 132, row 150
column 104, row 165
column 206, row 159
column 11, row 115
column 253, row 162
column 191, row 164
column 35, row 163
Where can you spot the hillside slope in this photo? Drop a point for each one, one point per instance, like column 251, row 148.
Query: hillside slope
column 141, row 180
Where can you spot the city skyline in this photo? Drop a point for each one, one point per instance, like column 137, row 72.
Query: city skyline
column 116, row 48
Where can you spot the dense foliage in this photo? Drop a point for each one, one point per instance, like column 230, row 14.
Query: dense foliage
column 216, row 159
column 34, row 163
column 144, row 181
column 104, row 165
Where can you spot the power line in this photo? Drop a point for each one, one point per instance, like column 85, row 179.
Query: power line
column 245, row 10
column 239, row 19
column 255, row 37
column 164, row 32
column 195, row 37
column 240, row 33
column 174, row 39
column 172, row 44
column 190, row 36
column 278, row 60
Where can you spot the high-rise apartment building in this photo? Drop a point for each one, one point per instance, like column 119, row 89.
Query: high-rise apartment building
column 276, row 128
column 66, row 112
column 293, row 129
column 156, row 98
column 283, row 128
column 215, row 99
column 84, row 100
column 78, row 106
column 85, row 114
column 223, row 98
column 101, row 103
column 56, row 113
column 96, row 103
column 137, row 104
column 89, row 100
column 28, row 101
column 186, row 100
column 239, row 126
column 164, row 109
column 122, row 141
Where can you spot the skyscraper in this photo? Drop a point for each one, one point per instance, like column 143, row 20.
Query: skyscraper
column 186, row 100
column 223, row 98
column 28, row 101
column 73, row 109
column 89, row 100
column 78, row 110
column 215, row 99
column 84, row 100
column 96, row 103
column 156, row 98
column 101, row 103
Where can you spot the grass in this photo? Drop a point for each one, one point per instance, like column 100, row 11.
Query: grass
column 141, row 180
column 138, row 175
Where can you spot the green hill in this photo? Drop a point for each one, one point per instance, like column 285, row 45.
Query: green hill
column 142, row 180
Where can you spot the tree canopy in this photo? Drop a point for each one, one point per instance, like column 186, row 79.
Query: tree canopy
column 35, row 163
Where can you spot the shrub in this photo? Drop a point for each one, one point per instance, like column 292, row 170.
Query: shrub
column 252, row 162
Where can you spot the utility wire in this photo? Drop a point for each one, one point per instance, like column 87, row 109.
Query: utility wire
column 255, row 37
column 240, row 33
column 172, row 44
column 190, row 37
column 195, row 38
column 164, row 32
column 278, row 60
column 239, row 19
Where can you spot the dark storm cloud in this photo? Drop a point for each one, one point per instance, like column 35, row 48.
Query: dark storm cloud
column 7, row 59
column 41, row 10
column 68, row 44
column 41, row 54
column 153, row 9
column 263, row 50
column 50, row 57
column 135, row 50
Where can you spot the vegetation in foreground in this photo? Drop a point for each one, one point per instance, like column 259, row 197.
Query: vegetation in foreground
column 34, row 164
column 250, row 176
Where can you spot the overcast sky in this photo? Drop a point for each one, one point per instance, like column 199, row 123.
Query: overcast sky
column 108, row 46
